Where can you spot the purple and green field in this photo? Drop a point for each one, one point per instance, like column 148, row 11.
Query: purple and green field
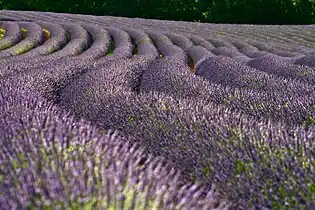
column 100, row 112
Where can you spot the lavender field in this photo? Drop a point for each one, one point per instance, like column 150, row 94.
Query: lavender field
column 100, row 112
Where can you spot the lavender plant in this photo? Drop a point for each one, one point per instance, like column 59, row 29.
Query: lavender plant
column 48, row 160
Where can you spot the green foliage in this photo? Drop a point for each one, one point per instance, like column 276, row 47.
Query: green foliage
column 2, row 33
column 217, row 11
column 111, row 48
column 309, row 121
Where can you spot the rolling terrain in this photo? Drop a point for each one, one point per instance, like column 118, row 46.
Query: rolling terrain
column 100, row 112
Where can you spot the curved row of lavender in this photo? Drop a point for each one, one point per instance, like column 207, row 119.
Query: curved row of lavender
column 230, row 106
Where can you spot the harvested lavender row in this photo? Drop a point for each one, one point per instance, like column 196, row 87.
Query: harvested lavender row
column 83, row 40
column 278, row 49
column 166, row 47
column 245, row 48
column 226, row 52
column 123, row 46
column 78, row 41
column 10, row 17
column 198, row 54
column 202, row 42
column 145, row 46
column 249, row 48
column 264, row 47
column 180, row 41
column 278, row 52
column 12, row 36
column 272, row 65
column 120, row 41
column 78, row 38
column 183, row 25
column 120, row 21
column 56, row 41
column 226, row 71
column 220, row 43
column 33, row 36
column 101, row 42
column 270, row 33
column 16, row 15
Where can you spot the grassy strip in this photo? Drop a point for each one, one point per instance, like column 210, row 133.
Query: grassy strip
column 68, row 35
column 25, row 48
column 46, row 33
column 154, row 43
column 191, row 65
column 2, row 33
column 135, row 47
column 24, row 32
column 111, row 47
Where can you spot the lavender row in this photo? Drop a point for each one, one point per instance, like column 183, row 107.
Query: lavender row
column 123, row 45
column 208, row 142
column 218, row 42
column 227, row 52
column 121, row 40
column 198, row 54
column 226, row 71
column 245, row 48
column 192, row 27
column 144, row 44
column 116, row 104
column 174, row 79
column 180, row 41
column 238, row 56
column 78, row 41
column 272, row 65
column 49, row 160
column 100, row 44
column 166, row 47
column 32, row 36
column 56, row 41
column 13, row 35
column 197, row 40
